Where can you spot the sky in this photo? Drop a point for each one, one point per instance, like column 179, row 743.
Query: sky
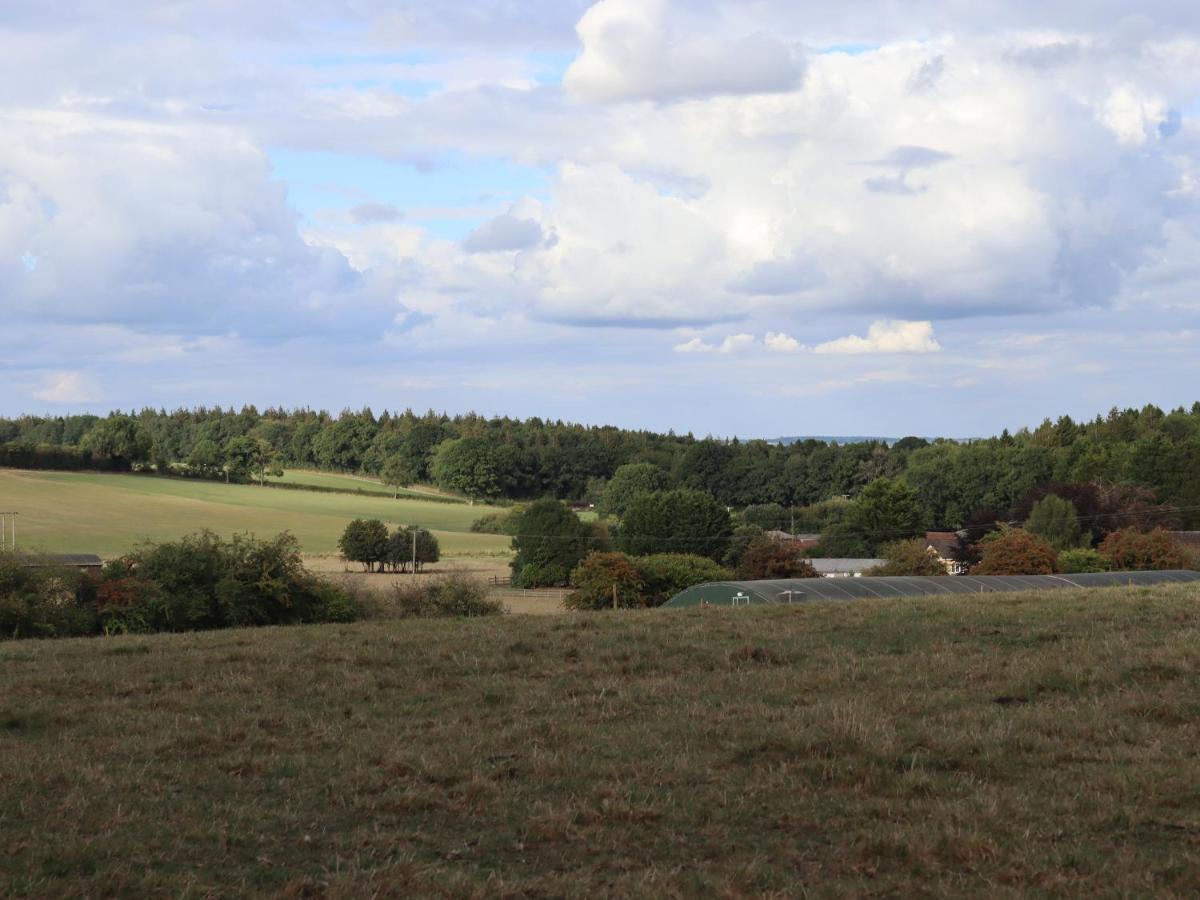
column 751, row 218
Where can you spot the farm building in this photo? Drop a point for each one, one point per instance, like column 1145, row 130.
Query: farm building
column 943, row 544
column 843, row 568
column 798, row 590
column 87, row 562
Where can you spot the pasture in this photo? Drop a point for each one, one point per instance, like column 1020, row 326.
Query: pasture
column 1007, row 745
column 344, row 482
column 108, row 514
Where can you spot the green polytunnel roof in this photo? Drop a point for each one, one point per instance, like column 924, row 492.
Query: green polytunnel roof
column 797, row 590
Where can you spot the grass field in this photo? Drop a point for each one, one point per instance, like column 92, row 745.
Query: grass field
column 108, row 514
column 353, row 483
column 1002, row 746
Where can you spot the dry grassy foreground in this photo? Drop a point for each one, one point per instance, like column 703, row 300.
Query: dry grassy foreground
column 1000, row 746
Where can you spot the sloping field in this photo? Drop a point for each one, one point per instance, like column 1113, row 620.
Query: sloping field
column 352, row 483
column 1011, row 745
column 108, row 514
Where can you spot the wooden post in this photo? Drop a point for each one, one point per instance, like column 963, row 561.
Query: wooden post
column 614, row 596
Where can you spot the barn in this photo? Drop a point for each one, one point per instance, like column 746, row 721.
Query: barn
column 798, row 590
column 87, row 562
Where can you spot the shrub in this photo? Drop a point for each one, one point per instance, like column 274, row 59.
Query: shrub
column 448, row 596
column 1014, row 551
column 1081, row 560
column 766, row 558
column 911, row 557
column 42, row 603
column 365, row 541
column 664, row 575
column 595, row 578
column 1135, row 550
column 497, row 522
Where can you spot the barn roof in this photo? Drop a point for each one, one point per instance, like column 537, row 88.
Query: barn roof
column 732, row 593
column 56, row 560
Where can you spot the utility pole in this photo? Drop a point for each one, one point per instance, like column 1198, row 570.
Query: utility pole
column 414, row 554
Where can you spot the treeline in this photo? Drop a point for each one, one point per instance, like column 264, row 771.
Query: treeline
column 502, row 458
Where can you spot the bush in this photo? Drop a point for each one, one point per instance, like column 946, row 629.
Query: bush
column 448, row 596
column 497, row 522
column 664, row 575
column 199, row 582
column 1014, row 551
column 767, row 558
column 1082, row 560
column 911, row 557
column 365, row 541
column 1130, row 550
column 595, row 578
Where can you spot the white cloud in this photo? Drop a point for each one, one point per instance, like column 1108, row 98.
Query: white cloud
column 506, row 232
column 735, row 343
column 777, row 342
column 830, row 385
column 645, row 50
column 886, row 337
column 66, row 387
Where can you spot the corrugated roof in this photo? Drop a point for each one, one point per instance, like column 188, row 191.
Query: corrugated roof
column 797, row 589
column 49, row 560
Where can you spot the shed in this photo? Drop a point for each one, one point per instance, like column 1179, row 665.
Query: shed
column 88, row 562
column 797, row 590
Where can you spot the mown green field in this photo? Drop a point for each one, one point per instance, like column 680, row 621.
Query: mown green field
column 1001, row 746
column 352, row 483
column 108, row 514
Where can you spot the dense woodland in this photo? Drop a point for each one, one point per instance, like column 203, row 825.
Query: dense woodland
column 955, row 482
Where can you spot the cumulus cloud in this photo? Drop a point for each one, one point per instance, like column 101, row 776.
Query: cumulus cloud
column 505, row 232
column 162, row 226
column 886, row 337
column 66, row 387
column 777, row 342
column 735, row 343
column 645, row 50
